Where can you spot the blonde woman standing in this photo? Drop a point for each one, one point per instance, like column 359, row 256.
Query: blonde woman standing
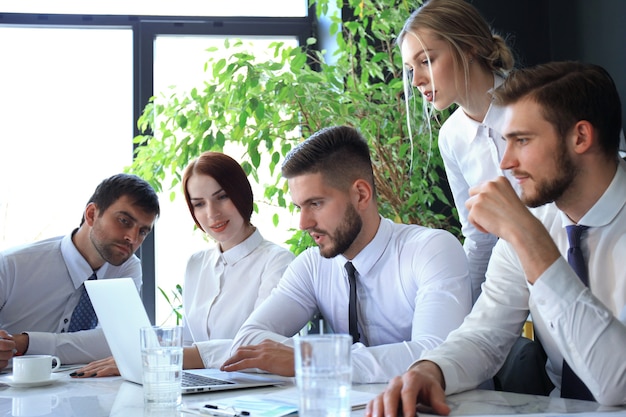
column 452, row 56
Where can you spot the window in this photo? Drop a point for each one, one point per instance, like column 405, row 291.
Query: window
column 65, row 122
column 72, row 87
column 276, row 8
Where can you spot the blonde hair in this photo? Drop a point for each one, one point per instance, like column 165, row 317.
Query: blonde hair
column 465, row 30
column 467, row 33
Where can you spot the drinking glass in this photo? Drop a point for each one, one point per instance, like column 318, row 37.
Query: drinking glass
column 162, row 357
column 323, row 374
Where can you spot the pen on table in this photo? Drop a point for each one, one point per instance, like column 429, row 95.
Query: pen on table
column 214, row 410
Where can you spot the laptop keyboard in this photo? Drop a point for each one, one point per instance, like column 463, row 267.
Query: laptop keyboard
column 193, row 380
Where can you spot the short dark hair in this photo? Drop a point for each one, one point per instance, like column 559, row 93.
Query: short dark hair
column 228, row 174
column 568, row 92
column 136, row 189
column 340, row 153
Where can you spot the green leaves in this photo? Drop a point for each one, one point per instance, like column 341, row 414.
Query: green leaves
column 175, row 301
column 268, row 105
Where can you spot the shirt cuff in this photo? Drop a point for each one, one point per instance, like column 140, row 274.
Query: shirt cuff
column 214, row 352
column 556, row 289
column 41, row 343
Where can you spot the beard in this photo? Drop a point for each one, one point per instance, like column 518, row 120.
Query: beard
column 552, row 189
column 344, row 235
column 108, row 251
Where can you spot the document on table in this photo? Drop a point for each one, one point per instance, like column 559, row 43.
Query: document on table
column 275, row 404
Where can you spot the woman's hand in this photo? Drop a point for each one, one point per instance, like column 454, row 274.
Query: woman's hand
column 97, row 369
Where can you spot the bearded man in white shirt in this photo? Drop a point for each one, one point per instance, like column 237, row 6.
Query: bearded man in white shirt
column 41, row 284
column 562, row 131
column 412, row 282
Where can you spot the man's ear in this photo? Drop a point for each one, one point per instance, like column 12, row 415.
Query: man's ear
column 584, row 136
column 91, row 211
column 362, row 193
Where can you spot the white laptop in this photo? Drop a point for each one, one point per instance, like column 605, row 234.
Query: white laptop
column 121, row 314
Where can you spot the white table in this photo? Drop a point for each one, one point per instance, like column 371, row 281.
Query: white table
column 96, row 397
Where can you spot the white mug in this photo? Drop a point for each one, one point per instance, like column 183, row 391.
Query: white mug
column 34, row 368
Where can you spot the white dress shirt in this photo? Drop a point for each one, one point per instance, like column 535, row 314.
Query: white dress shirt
column 471, row 153
column 222, row 289
column 40, row 284
column 587, row 326
column 412, row 286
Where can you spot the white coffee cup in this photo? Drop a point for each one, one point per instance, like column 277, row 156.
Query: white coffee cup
column 34, row 368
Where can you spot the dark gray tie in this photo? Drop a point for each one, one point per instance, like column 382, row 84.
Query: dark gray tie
column 83, row 317
column 352, row 306
column 571, row 385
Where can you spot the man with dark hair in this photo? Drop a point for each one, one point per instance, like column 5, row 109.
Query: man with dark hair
column 44, row 308
column 563, row 264
column 397, row 289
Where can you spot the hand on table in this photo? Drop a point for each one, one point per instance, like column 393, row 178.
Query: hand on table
column 422, row 384
column 269, row 356
column 100, row 368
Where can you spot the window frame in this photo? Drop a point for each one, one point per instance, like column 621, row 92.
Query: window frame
column 145, row 29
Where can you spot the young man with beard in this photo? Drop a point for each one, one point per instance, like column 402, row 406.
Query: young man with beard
column 562, row 131
column 41, row 284
column 412, row 282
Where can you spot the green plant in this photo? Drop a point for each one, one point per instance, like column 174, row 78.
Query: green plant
column 269, row 106
column 175, row 303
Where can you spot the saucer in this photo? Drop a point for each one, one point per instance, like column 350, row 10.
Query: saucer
column 9, row 381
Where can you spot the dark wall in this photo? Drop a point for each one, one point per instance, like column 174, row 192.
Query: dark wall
column 595, row 32
column 555, row 30
column 525, row 24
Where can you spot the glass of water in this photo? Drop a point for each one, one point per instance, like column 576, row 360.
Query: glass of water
column 162, row 357
column 323, row 374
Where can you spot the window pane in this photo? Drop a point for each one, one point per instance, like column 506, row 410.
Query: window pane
column 179, row 62
column 65, row 124
column 277, row 8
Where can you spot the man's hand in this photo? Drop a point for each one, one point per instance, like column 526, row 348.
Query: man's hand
column 7, row 348
column 103, row 367
column 495, row 208
column 423, row 383
column 268, row 355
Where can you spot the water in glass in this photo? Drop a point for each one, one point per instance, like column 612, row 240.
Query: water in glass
column 162, row 373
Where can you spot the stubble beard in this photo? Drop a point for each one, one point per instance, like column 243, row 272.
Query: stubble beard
column 551, row 190
column 345, row 235
column 107, row 251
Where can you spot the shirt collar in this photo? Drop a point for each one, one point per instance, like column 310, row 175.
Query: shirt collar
column 492, row 123
column 240, row 251
column 608, row 205
column 370, row 254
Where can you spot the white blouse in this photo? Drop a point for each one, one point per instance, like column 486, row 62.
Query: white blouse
column 471, row 153
column 222, row 289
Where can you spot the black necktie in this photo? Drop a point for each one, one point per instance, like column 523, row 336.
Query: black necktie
column 354, row 328
column 571, row 385
column 83, row 316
